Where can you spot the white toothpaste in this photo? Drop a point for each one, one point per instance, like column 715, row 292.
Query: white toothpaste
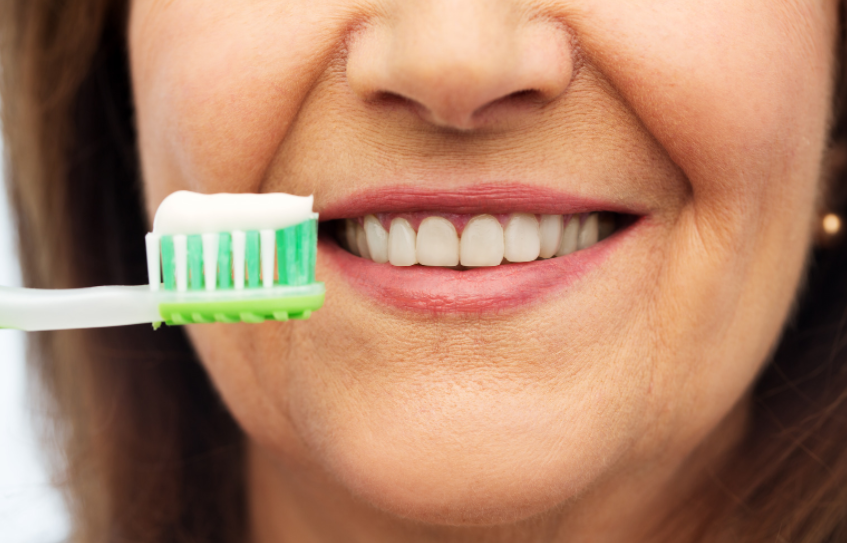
column 185, row 212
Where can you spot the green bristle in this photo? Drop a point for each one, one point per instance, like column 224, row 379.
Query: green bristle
column 296, row 262
column 286, row 249
column 310, row 252
column 303, row 238
column 168, row 266
column 252, row 257
column 280, row 257
column 195, row 262
column 225, row 262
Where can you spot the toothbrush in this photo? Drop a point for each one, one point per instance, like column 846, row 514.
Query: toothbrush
column 210, row 258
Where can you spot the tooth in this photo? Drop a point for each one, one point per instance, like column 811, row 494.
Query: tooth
column 482, row 242
column 551, row 235
column 522, row 238
column 570, row 236
column 438, row 242
column 362, row 242
column 377, row 239
column 401, row 243
column 588, row 232
column 350, row 236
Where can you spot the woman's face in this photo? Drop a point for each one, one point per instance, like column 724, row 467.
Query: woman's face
column 490, row 395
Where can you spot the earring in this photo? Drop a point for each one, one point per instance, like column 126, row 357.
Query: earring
column 829, row 229
column 831, row 224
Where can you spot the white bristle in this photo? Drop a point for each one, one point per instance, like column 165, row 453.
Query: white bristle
column 153, row 265
column 210, row 260
column 268, row 244
column 181, row 261
column 239, row 242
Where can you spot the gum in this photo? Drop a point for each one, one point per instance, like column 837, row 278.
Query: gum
column 459, row 220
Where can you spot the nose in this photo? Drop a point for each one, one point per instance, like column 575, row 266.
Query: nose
column 460, row 64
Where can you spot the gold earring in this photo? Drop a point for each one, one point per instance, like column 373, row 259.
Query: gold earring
column 830, row 227
column 831, row 224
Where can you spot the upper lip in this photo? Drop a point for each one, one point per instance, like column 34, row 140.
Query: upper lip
column 474, row 199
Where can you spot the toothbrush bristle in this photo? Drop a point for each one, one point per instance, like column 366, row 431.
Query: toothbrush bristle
column 234, row 260
column 252, row 259
column 168, row 262
column 210, row 260
column 195, row 262
column 225, row 260
column 153, row 261
column 239, row 241
column 286, row 255
column 268, row 247
column 181, row 261
column 310, row 256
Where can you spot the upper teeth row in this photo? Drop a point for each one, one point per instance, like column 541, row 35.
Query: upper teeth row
column 484, row 241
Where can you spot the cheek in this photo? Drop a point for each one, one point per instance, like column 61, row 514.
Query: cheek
column 250, row 372
column 733, row 90
column 218, row 84
column 737, row 93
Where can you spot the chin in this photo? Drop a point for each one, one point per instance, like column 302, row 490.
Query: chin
column 458, row 490
column 484, row 459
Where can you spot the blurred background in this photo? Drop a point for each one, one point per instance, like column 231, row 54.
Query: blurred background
column 31, row 510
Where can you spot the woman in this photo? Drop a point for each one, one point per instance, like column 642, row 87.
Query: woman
column 682, row 379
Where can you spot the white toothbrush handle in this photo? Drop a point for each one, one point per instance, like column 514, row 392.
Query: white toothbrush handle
column 44, row 309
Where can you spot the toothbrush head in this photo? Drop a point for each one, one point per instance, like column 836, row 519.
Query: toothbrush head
column 234, row 257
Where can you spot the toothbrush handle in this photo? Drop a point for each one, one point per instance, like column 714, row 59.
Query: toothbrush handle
column 42, row 309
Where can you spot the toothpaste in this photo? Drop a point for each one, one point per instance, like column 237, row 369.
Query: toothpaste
column 188, row 213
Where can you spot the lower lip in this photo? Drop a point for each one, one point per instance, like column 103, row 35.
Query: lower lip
column 481, row 290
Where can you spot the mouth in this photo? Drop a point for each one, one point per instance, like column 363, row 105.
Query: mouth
column 464, row 241
column 474, row 250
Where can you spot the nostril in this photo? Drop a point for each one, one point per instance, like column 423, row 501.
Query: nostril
column 525, row 95
column 391, row 99
column 526, row 98
column 522, row 99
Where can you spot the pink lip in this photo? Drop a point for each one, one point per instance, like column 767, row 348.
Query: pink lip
column 481, row 290
column 492, row 198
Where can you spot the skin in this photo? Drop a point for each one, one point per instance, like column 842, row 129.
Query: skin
column 580, row 417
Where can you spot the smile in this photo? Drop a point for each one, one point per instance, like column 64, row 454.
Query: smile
column 471, row 250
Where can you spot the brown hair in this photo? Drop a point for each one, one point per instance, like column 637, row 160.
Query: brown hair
column 148, row 451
